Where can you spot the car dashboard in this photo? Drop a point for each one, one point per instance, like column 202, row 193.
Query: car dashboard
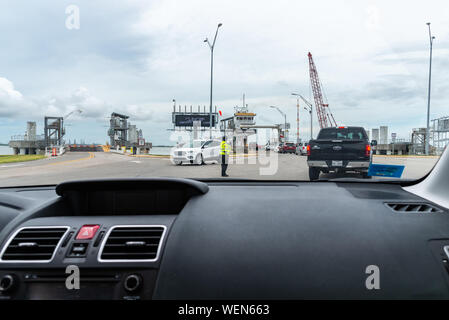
column 165, row 238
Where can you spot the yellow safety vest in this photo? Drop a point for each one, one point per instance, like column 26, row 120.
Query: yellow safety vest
column 224, row 148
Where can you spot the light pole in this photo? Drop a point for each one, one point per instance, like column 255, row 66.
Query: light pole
column 431, row 38
column 297, row 118
column 309, row 109
column 285, row 121
column 211, row 46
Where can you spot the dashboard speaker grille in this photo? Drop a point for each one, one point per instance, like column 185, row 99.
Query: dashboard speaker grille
column 131, row 243
column 34, row 244
column 413, row 207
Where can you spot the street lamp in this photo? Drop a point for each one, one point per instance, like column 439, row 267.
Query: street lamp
column 297, row 117
column 285, row 120
column 70, row 113
column 211, row 46
column 431, row 38
column 309, row 109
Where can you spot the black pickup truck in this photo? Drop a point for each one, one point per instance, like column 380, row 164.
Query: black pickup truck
column 339, row 149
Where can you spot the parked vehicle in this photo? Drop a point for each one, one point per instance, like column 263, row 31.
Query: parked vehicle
column 198, row 153
column 278, row 148
column 268, row 147
column 301, row 148
column 340, row 149
column 288, row 147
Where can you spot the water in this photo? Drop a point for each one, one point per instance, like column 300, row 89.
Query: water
column 160, row 150
column 5, row 150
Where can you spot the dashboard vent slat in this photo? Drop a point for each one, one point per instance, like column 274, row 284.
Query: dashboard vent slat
column 413, row 207
column 34, row 244
column 132, row 243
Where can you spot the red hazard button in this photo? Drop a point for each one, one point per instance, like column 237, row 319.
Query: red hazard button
column 87, row 232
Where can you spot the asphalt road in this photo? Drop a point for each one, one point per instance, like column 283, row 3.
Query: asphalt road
column 87, row 165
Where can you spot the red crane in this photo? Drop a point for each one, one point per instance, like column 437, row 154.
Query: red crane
column 325, row 117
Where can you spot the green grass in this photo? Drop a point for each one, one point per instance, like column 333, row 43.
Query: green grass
column 20, row 158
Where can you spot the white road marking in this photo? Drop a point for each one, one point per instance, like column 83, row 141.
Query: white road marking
column 136, row 161
column 11, row 165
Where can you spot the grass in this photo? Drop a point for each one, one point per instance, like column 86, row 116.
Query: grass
column 20, row 158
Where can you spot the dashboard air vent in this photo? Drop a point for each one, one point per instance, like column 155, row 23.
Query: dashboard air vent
column 33, row 244
column 412, row 207
column 132, row 243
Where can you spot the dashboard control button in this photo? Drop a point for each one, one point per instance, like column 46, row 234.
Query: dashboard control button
column 87, row 232
column 6, row 283
column 132, row 282
column 78, row 249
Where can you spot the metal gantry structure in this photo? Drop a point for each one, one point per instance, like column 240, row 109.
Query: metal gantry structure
column 325, row 117
column 440, row 134
column 118, row 130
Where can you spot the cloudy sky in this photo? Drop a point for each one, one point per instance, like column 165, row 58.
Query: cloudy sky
column 135, row 57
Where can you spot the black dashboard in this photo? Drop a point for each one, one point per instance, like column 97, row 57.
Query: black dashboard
column 186, row 239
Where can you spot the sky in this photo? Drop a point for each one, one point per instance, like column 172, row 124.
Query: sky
column 135, row 57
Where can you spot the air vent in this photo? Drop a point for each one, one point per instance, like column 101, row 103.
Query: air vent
column 132, row 243
column 413, row 207
column 33, row 244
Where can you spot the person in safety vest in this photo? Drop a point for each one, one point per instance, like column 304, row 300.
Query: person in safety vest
column 224, row 156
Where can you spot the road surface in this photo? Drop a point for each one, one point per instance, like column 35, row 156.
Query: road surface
column 89, row 165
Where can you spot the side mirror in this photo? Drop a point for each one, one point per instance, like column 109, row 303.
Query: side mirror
column 374, row 143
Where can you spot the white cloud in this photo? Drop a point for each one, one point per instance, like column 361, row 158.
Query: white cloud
column 11, row 100
column 7, row 90
column 15, row 106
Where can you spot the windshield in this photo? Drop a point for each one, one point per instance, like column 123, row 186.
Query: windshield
column 197, row 144
column 297, row 90
column 343, row 134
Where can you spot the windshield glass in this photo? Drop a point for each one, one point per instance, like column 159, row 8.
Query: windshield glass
column 343, row 134
column 298, row 90
column 197, row 144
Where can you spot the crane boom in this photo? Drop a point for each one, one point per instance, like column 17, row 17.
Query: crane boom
column 325, row 117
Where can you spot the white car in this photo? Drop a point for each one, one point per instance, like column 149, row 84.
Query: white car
column 198, row 153
column 278, row 147
column 301, row 148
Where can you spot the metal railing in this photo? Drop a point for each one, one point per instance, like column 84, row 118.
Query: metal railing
column 24, row 137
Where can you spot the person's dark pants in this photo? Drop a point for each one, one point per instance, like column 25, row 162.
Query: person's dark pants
column 224, row 164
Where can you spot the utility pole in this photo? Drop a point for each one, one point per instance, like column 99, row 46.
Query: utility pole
column 211, row 46
column 431, row 38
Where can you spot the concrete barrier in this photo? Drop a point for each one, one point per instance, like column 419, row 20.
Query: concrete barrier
column 84, row 148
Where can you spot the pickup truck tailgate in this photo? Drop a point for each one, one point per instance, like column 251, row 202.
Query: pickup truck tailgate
column 338, row 150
